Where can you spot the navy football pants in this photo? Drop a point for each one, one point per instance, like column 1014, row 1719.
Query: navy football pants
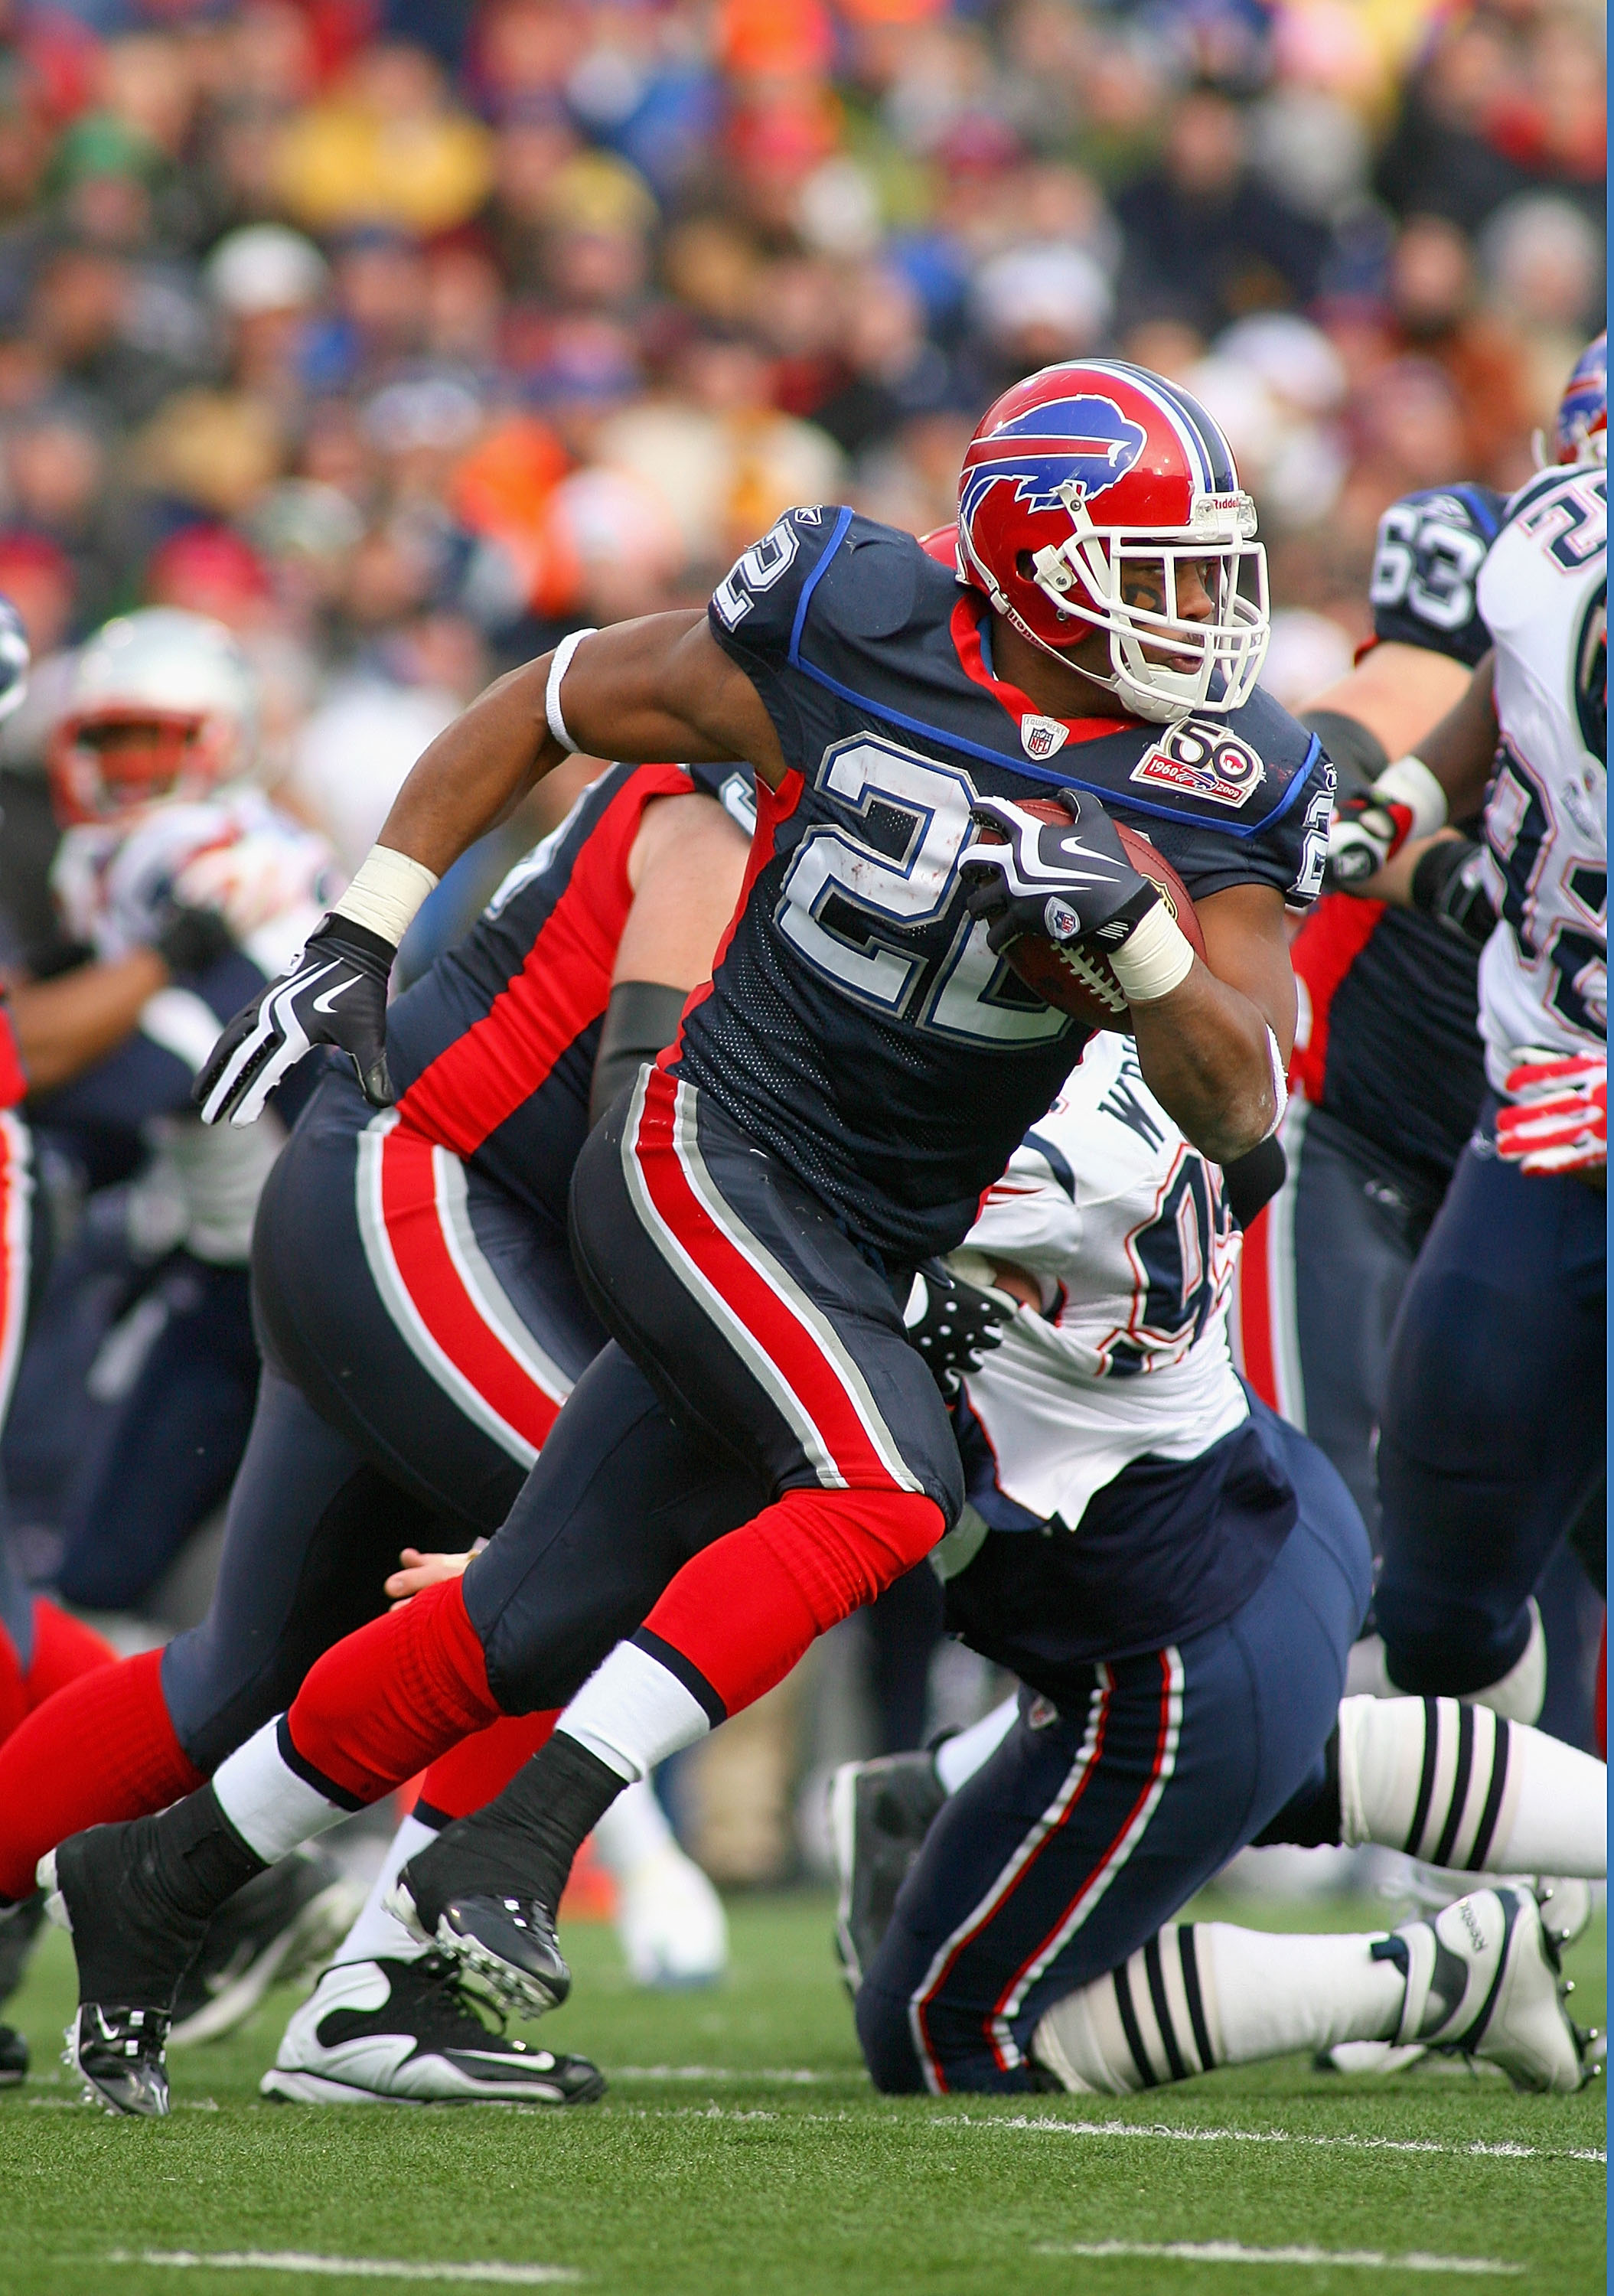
column 1091, row 1826
column 1492, row 1436
column 758, row 1352
column 421, row 1330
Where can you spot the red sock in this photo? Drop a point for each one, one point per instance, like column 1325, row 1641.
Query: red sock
column 13, row 1696
column 744, row 1609
column 102, row 1748
column 64, row 1648
column 473, row 1772
column 380, row 1706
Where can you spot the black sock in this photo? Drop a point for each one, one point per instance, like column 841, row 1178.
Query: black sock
column 523, row 1843
column 141, row 1897
column 203, row 1860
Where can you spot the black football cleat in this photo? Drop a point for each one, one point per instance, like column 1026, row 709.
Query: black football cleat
column 879, row 1813
column 133, row 1948
column 405, row 2032
column 118, row 2054
column 281, row 1924
column 507, row 1943
column 14, row 2057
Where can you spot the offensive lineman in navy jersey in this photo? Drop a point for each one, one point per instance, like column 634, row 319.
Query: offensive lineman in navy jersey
column 857, row 1073
column 421, row 1326
column 1386, row 1075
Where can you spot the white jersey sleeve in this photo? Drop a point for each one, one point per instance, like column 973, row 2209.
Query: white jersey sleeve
column 1543, row 593
column 1125, row 1229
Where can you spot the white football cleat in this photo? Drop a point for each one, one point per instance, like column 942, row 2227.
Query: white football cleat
column 670, row 1922
column 403, row 2032
column 1482, row 1980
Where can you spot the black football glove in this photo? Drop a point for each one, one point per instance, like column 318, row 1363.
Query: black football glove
column 335, row 994
column 192, row 941
column 1448, row 884
column 1070, row 880
column 953, row 1323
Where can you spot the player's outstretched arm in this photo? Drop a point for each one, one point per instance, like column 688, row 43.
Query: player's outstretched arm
column 1417, row 795
column 660, row 687
column 1213, row 1050
column 656, row 688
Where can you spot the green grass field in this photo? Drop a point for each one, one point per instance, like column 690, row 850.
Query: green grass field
column 741, row 2150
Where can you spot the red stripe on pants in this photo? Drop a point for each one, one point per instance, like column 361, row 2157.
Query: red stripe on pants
column 437, row 1290
column 797, row 1359
column 1259, row 1357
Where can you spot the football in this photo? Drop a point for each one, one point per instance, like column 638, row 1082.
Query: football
column 1081, row 981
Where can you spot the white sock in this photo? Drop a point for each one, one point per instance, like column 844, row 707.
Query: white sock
column 959, row 1758
column 1459, row 1786
column 270, row 1806
column 1203, row 1993
column 632, row 1830
column 633, row 1712
column 376, row 1934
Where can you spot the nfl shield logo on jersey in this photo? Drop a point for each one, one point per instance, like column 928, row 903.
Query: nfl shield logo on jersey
column 1041, row 737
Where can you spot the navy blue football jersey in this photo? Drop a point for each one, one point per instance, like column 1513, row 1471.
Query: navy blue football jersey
column 858, row 1025
column 492, row 1051
column 1426, row 569
column 1394, row 1044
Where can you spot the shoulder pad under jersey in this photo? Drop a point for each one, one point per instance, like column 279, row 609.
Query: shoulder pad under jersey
column 1431, row 545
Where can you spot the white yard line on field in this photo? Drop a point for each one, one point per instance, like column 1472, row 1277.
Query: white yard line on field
column 1047, row 2125
column 1231, row 2251
column 787, row 2076
column 346, row 2267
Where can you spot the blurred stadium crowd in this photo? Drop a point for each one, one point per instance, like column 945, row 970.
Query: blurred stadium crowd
column 404, row 335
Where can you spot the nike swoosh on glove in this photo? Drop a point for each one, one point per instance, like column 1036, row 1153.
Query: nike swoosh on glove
column 1558, row 1121
column 335, row 994
column 1067, row 880
column 953, row 1323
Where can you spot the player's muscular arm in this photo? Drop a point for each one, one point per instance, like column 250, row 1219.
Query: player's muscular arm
column 1454, row 756
column 1203, row 1048
column 686, row 868
column 1397, row 692
column 660, row 687
column 65, row 1026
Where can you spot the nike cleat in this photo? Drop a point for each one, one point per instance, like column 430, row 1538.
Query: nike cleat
column 879, row 1813
column 278, row 1926
column 405, row 2032
column 118, row 2054
column 133, row 1948
column 506, row 1943
column 1483, row 1981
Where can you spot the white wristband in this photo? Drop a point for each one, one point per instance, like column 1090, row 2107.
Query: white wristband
column 1155, row 957
column 1410, row 783
column 558, row 668
column 385, row 893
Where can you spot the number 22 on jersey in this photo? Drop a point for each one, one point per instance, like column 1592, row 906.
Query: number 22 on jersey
column 862, row 892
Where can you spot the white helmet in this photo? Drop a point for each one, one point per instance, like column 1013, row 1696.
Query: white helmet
column 162, row 704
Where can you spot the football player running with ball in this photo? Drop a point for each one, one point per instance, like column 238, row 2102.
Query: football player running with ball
column 861, row 1067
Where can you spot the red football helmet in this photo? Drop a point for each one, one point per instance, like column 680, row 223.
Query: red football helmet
column 1085, row 470
column 1580, row 433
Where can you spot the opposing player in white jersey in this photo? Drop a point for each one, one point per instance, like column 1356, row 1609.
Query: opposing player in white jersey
column 1493, row 1438
column 1175, row 1575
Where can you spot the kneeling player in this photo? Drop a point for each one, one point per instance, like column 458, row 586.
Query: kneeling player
column 1176, row 1576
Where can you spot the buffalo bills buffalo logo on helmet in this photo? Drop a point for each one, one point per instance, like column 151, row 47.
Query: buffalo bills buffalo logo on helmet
column 1085, row 441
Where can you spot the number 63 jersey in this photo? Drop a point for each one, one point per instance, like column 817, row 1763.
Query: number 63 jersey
column 1544, row 593
column 856, row 1024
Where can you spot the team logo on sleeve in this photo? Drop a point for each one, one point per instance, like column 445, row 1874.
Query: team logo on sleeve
column 1202, row 761
column 1085, row 441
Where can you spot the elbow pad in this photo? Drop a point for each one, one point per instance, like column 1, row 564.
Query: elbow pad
column 1249, row 1182
column 1354, row 751
column 641, row 1020
column 1448, row 884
